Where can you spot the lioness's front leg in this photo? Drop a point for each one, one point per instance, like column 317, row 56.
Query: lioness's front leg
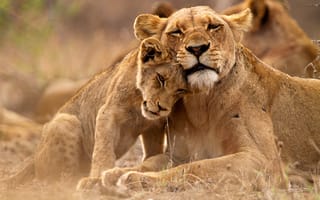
column 232, row 167
column 254, row 157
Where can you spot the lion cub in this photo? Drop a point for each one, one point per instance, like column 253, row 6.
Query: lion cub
column 161, row 83
column 103, row 120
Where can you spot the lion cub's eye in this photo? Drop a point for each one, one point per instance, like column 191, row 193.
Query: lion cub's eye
column 214, row 27
column 161, row 80
column 175, row 33
column 181, row 91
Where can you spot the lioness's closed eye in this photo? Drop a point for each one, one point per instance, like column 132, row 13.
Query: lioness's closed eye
column 159, row 78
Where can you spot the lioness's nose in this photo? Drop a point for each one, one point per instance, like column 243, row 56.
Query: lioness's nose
column 198, row 50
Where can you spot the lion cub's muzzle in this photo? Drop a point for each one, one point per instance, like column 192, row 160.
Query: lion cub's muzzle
column 154, row 110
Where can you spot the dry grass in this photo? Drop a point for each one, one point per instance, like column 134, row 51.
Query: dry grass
column 15, row 151
column 62, row 191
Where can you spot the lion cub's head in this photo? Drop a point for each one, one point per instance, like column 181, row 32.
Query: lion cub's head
column 204, row 41
column 159, row 78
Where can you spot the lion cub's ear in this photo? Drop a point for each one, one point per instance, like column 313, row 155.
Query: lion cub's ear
column 239, row 22
column 163, row 9
column 152, row 51
column 147, row 25
column 259, row 11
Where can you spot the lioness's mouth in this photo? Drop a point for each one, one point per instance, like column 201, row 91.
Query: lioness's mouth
column 199, row 67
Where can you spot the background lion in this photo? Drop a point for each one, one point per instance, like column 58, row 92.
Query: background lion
column 276, row 38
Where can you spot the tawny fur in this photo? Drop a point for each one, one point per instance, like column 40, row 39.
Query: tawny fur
column 276, row 38
column 229, row 130
column 57, row 93
column 103, row 120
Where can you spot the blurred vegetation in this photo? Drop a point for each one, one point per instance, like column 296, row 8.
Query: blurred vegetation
column 33, row 19
column 27, row 26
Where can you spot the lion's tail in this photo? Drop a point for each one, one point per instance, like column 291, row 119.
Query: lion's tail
column 26, row 173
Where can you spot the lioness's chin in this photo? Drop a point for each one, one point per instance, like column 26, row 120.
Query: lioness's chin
column 203, row 80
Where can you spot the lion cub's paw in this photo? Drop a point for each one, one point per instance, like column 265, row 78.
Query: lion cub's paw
column 111, row 176
column 135, row 181
column 89, row 183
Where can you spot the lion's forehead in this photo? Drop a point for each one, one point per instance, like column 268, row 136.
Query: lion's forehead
column 193, row 17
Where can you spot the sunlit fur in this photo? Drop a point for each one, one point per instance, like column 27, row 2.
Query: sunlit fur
column 219, row 56
column 203, row 80
column 229, row 135
column 153, row 93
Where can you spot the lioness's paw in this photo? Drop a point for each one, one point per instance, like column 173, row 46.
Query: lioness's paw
column 135, row 181
column 89, row 183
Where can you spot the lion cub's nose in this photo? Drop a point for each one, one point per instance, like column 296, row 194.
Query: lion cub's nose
column 161, row 108
column 198, row 50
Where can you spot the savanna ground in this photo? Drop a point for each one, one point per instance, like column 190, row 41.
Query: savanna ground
column 60, row 39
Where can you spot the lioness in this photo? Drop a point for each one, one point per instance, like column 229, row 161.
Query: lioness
column 276, row 38
column 103, row 120
column 228, row 130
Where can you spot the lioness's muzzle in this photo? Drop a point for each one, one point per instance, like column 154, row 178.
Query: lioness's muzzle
column 199, row 67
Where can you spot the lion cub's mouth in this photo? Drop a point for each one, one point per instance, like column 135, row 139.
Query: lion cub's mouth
column 152, row 114
column 199, row 67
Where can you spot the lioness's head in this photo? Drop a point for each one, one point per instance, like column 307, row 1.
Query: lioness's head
column 160, row 79
column 204, row 41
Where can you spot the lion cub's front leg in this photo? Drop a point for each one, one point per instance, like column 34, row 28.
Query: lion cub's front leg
column 104, row 157
column 154, row 160
column 153, row 164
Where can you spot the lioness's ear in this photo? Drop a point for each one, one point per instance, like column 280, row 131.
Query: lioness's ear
column 147, row 25
column 239, row 22
column 152, row 50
